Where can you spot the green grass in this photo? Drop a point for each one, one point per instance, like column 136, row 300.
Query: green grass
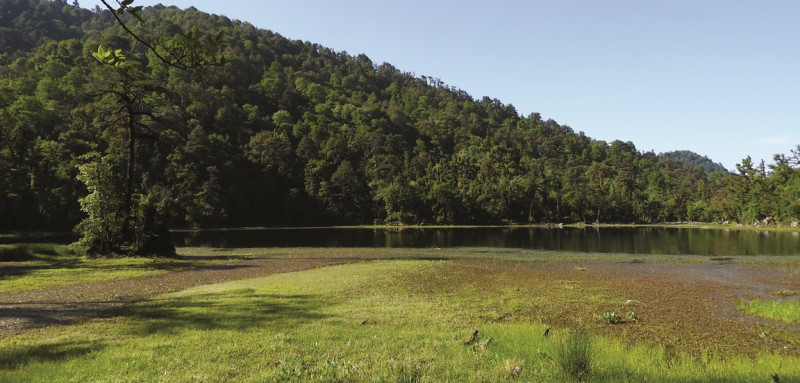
column 382, row 321
column 38, row 266
column 573, row 353
column 785, row 293
column 782, row 310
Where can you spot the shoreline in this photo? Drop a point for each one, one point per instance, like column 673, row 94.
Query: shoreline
column 579, row 225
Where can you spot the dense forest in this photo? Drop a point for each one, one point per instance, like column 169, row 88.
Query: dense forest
column 288, row 132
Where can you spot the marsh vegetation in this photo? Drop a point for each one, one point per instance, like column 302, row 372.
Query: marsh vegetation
column 410, row 315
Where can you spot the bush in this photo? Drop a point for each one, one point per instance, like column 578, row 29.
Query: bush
column 102, row 229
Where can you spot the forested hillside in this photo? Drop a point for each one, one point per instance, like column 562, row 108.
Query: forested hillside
column 691, row 158
column 292, row 133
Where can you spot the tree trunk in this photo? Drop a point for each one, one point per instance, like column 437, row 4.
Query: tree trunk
column 127, row 229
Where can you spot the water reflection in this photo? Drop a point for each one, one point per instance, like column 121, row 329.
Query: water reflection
column 648, row 240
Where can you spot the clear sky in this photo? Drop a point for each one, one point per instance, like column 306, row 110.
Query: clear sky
column 718, row 77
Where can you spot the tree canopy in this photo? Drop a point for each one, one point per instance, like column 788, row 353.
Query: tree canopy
column 691, row 158
column 289, row 132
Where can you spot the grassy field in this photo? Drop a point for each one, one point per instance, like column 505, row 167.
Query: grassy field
column 412, row 316
column 39, row 266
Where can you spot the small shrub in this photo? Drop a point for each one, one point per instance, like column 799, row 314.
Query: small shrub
column 574, row 354
column 611, row 317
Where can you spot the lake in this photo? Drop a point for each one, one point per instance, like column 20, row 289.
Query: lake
column 632, row 240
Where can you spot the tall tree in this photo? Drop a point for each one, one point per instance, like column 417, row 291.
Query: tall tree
column 130, row 228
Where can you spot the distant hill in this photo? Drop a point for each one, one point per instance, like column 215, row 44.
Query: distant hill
column 689, row 157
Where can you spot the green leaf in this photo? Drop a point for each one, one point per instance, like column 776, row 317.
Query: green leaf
column 109, row 57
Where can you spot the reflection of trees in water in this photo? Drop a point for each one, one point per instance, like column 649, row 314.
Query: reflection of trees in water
column 627, row 240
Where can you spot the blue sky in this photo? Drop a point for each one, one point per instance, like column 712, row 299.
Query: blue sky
column 721, row 78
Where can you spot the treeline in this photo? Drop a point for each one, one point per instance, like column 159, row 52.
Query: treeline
column 292, row 133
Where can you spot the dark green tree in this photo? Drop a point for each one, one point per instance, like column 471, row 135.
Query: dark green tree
column 133, row 218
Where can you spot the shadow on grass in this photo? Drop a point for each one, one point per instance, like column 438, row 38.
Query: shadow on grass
column 22, row 316
column 18, row 260
column 16, row 356
column 28, row 252
column 241, row 309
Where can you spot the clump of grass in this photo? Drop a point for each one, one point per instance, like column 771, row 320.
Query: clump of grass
column 574, row 354
column 785, row 293
column 513, row 367
column 787, row 311
column 407, row 373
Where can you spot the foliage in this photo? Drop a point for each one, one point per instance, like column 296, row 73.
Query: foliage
column 102, row 229
column 109, row 57
column 152, row 226
column 292, row 133
column 691, row 158
column 612, row 317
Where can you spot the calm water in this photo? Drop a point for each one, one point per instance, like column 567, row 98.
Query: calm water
column 603, row 240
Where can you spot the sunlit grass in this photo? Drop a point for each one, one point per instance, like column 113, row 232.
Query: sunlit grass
column 782, row 310
column 40, row 266
column 394, row 320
